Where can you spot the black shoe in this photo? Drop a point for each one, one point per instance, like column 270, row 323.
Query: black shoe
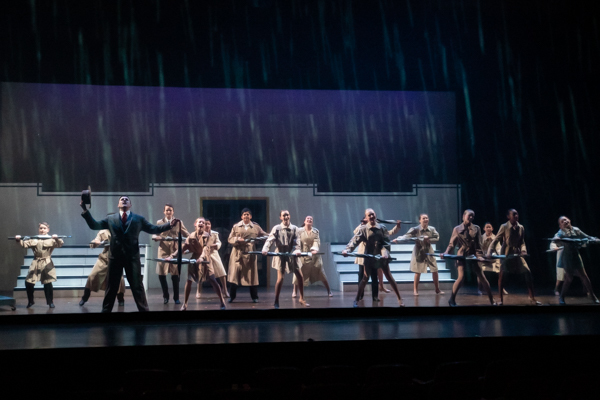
column 122, row 304
column 177, row 301
column 276, row 305
column 30, row 304
column 81, row 303
column 230, row 300
column 355, row 304
column 375, row 299
column 165, row 300
column 255, row 300
column 51, row 305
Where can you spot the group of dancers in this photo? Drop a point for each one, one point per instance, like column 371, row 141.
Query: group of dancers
column 297, row 252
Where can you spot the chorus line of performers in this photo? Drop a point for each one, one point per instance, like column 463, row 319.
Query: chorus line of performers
column 297, row 252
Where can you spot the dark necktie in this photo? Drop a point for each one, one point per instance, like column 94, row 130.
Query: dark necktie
column 124, row 218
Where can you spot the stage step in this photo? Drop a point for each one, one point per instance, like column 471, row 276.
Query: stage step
column 400, row 268
column 73, row 264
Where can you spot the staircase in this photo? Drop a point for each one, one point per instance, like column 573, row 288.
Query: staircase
column 400, row 268
column 73, row 264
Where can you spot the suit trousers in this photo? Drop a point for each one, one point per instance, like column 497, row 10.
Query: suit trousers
column 133, row 271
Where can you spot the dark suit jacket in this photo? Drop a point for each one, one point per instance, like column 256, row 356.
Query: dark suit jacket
column 124, row 241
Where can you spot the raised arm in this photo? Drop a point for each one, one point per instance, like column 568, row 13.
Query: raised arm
column 151, row 228
column 92, row 223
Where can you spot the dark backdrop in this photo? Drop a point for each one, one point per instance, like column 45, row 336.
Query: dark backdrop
column 524, row 74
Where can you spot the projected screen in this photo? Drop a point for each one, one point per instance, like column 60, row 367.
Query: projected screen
column 123, row 138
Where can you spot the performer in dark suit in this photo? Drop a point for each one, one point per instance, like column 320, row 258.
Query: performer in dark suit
column 125, row 228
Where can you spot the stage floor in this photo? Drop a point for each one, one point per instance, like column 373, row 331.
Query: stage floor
column 315, row 296
column 328, row 319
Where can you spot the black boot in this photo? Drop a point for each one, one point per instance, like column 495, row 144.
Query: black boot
column 232, row 292
column 165, row 288
column 121, row 299
column 49, row 294
column 86, row 296
column 175, row 279
column 29, row 288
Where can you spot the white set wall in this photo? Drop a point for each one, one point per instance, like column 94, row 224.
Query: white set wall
column 335, row 214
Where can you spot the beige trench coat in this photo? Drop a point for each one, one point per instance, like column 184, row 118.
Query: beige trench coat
column 312, row 267
column 41, row 268
column 165, row 249
column 243, row 269
column 97, row 279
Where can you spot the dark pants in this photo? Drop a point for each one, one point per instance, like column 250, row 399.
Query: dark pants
column 165, row 288
column 374, row 280
column 133, row 271
column 233, row 292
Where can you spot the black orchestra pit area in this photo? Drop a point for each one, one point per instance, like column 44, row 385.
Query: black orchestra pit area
column 423, row 350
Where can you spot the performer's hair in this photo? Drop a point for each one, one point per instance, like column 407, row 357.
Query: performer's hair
column 468, row 210
column 510, row 211
column 367, row 209
column 198, row 219
column 281, row 212
column 420, row 215
column 169, row 205
column 207, row 220
column 488, row 223
column 304, row 222
column 44, row 223
column 124, row 195
column 246, row 210
column 561, row 217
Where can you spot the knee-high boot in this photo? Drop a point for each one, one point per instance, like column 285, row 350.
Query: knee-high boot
column 165, row 288
column 175, row 279
column 29, row 288
column 48, row 291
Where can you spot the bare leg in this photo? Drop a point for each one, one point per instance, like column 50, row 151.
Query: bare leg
column 565, row 288
column 278, row 286
column 436, row 282
column 392, row 282
column 199, row 290
column 361, row 286
column 300, row 278
column 217, row 289
column 380, row 276
column 416, row 284
column 500, row 285
column 223, row 281
column 327, row 287
column 295, row 289
column 558, row 287
column 479, row 287
column 485, row 283
column 457, row 283
column 588, row 285
column 529, row 281
column 186, row 295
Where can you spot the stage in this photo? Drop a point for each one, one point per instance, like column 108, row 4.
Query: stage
column 426, row 316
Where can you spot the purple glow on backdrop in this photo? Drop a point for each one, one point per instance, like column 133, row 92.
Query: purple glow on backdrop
column 124, row 137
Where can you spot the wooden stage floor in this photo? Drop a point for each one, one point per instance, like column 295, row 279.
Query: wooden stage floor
column 328, row 319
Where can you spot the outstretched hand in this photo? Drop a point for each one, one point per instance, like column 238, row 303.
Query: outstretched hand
column 174, row 221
